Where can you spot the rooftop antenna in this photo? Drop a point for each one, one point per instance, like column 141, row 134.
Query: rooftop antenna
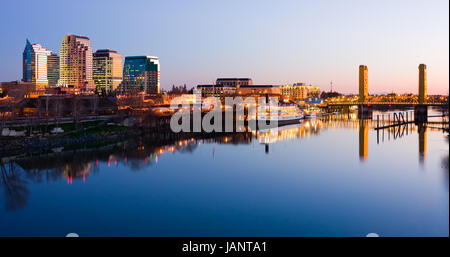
column 331, row 84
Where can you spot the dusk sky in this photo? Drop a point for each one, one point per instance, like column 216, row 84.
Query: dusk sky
column 272, row 42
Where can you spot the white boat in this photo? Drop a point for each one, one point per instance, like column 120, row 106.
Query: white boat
column 285, row 114
column 310, row 115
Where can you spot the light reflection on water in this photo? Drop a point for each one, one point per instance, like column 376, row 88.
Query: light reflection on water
column 333, row 176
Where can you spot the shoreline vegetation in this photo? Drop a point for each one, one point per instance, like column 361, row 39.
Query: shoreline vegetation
column 91, row 135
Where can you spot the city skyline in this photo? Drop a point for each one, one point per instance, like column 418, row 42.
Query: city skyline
column 228, row 119
column 294, row 42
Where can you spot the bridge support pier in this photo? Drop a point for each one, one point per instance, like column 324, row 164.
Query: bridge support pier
column 364, row 111
column 420, row 113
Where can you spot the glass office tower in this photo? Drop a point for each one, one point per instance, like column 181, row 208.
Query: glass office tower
column 52, row 69
column 75, row 65
column 107, row 70
column 141, row 74
column 35, row 65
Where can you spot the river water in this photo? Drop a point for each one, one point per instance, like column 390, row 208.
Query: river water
column 331, row 176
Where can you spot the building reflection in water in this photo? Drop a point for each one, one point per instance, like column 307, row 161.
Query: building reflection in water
column 76, row 170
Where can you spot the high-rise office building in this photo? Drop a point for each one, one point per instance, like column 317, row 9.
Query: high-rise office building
column 52, row 69
column 35, row 65
column 141, row 74
column 107, row 70
column 75, row 64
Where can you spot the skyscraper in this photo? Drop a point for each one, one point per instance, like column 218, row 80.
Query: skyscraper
column 35, row 65
column 141, row 73
column 363, row 83
column 107, row 70
column 75, row 64
column 52, row 69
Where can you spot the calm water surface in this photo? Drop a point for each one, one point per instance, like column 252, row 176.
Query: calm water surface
column 329, row 177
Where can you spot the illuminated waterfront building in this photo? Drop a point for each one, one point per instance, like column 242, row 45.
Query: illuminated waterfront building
column 363, row 83
column 35, row 65
column 20, row 89
column 422, row 83
column 237, row 86
column 107, row 70
column 52, row 69
column 299, row 91
column 312, row 91
column 244, row 90
column 258, row 90
column 234, row 82
column 217, row 90
column 141, row 74
column 75, row 63
column 294, row 92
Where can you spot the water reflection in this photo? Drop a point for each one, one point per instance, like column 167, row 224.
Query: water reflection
column 363, row 139
column 422, row 142
column 289, row 132
column 14, row 187
column 136, row 154
column 445, row 165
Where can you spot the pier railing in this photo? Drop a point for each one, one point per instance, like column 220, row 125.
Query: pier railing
column 400, row 123
column 398, row 119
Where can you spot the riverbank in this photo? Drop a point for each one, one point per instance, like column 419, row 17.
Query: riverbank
column 72, row 135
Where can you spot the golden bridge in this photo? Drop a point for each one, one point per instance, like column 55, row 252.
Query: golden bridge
column 365, row 105
column 384, row 103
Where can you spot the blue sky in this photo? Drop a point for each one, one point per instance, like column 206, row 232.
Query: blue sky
column 273, row 42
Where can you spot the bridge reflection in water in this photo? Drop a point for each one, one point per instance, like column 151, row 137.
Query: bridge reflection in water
column 363, row 139
column 394, row 133
column 422, row 142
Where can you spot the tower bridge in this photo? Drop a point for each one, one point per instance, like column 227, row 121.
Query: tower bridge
column 365, row 106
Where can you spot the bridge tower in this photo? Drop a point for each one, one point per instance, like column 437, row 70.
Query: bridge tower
column 363, row 83
column 420, row 110
column 422, row 83
column 364, row 109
